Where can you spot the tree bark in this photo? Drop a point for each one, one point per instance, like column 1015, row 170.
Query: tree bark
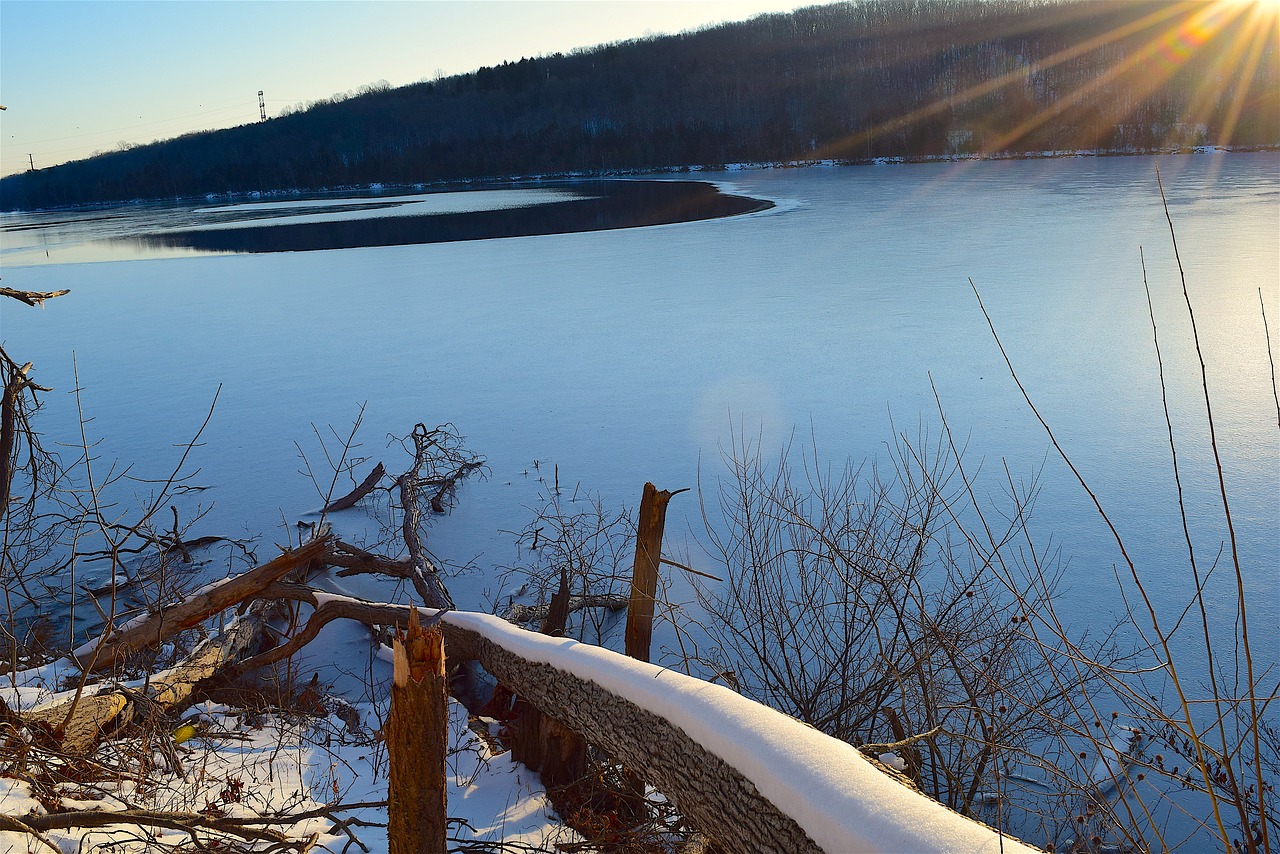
column 417, row 740
column 518, row 613
column 13, row 384
column 715, row 797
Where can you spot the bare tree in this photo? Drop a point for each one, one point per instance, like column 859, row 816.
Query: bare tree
column 853, row 600
column 573, row 548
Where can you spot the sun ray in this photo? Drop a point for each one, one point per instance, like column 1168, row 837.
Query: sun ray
column 854, row 141
column 1265, row 25
column 1137, row 68
column 1170, row 40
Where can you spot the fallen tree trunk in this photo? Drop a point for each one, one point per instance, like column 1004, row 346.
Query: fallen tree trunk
column 712, row 786
column 143, row 633
column 714, row 796
column 76, row 725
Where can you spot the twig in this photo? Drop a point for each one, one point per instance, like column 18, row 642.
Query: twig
column 690, row 569
column 189, row 822
column 1267, row 334
column 13, row 824
column 1152, row 615
column 1235, row 558
column 891, row 746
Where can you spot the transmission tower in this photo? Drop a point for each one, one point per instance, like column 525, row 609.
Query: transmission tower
column 262, row 107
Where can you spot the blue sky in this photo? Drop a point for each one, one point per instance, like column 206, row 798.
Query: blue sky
column 79, row 77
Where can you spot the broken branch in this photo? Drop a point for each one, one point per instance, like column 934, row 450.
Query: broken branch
column 35, row 299
column 113, row 645
column 518, row 613
column 353, row 497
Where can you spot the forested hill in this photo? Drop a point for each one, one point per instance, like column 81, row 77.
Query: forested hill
column 849, row 81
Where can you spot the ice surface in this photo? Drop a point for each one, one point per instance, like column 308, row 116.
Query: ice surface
column 838, row 310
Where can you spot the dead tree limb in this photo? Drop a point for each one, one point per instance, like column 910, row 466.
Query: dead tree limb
column 115, row 644
column 12, row 419
column 353, row 560
column 187, row 822
column 13, row 385
column 12, row 824
column 446, row 483
column 439, row 464
column 325, row 611
column 423, row 572
column 75, row 726
column 518, row 613
column 644, row 577
column 353, row 497
column 256, row 828
column 35, row 299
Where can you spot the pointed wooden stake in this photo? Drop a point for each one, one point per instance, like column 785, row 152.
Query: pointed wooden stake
column 644, row 576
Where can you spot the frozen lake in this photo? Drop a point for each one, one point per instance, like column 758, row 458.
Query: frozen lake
column 629, row 355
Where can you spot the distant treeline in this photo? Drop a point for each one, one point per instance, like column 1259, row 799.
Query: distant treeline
column 844, row 81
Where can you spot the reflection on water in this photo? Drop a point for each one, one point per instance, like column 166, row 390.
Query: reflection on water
column 344, row 221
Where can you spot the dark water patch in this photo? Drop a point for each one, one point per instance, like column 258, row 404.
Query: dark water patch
column 57, row 223
column 604, row 205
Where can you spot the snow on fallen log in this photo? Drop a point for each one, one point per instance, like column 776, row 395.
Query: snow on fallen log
column 841, row 801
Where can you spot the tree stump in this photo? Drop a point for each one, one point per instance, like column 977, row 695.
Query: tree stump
column 417, row 733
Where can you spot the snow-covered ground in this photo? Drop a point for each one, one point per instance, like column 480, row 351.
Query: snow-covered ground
column 249, row 765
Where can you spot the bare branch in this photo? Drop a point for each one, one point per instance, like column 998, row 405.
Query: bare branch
column 353, row 497
column 518, row 613
column 35, row 299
